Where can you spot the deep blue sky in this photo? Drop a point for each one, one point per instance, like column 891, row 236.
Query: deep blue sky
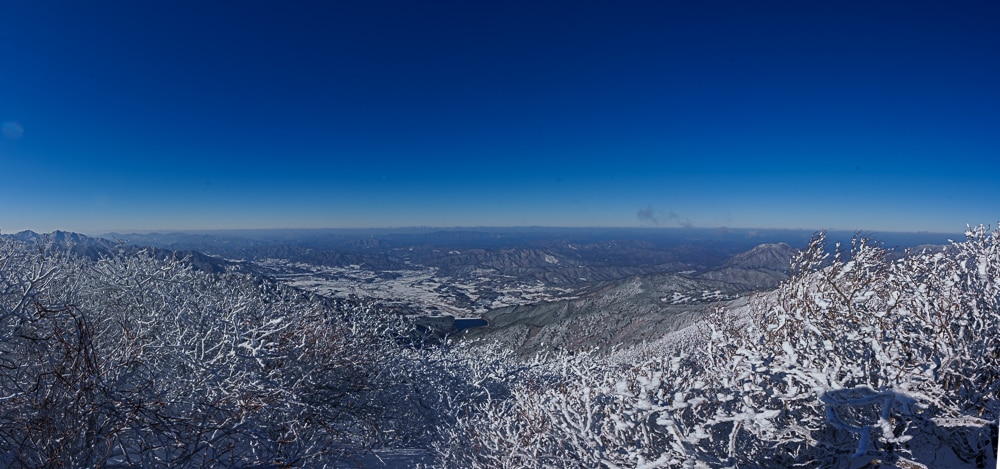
column 139, row 115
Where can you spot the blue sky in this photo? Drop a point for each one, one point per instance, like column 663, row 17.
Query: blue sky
column 202, row 115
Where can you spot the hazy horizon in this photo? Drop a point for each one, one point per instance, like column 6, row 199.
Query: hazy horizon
column 692, row 229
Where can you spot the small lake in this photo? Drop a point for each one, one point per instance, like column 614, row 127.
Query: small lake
column 462, row 324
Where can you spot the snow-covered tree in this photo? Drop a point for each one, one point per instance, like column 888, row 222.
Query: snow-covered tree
column 135, row 360
column 855, row 360
column 863, row 359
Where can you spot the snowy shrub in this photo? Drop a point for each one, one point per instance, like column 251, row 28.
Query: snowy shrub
column 851, row 360
column 138, row 361
column 855, row 360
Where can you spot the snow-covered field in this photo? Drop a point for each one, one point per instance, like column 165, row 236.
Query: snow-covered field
column 679, row 298
column 420, row 287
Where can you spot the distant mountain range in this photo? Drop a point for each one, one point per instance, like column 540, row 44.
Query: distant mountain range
column 564, row 287
column 94, row 248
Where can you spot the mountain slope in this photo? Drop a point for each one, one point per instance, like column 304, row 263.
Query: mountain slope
column 638, row 308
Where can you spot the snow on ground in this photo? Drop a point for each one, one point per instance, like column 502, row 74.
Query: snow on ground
column 679, row 298
column 419, row 287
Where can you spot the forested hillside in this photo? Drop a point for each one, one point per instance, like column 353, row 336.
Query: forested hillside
column 859, row 359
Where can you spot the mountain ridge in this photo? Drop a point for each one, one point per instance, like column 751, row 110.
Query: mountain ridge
column 637, row 308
